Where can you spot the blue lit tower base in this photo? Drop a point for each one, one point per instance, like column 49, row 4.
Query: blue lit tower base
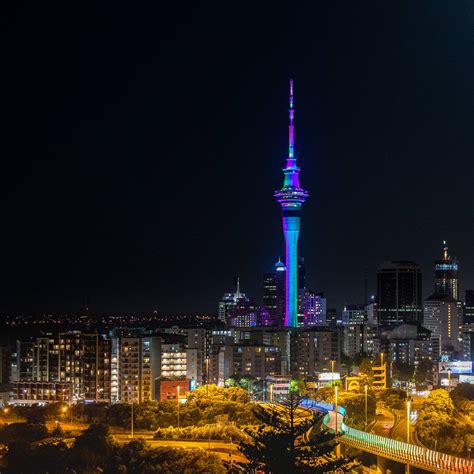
column 291, row 197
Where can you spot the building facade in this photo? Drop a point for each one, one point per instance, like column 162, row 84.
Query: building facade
column 399, row 293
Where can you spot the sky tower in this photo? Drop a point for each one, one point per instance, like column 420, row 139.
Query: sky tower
column 291, row 197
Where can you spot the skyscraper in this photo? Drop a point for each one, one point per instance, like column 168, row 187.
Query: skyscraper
column 469, row 308
column 399, row 293
column 270, row 294
column 291, row 197
column 446, row 275
column 280, row 280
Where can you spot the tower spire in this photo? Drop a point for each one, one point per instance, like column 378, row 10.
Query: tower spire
column 445, row 250
column 291, row 197
column 291, row 129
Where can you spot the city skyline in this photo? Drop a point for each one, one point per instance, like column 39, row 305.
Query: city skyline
column 133, row 188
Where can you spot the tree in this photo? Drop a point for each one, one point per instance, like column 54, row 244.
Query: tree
column 92, row 448
column 282, row 445
column 403, row 372
column 423, row 372
column 365, row 371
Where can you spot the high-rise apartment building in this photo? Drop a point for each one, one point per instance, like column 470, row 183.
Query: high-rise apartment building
column 446, row 275
column 399, row 293
column 82, row 360
column 139, row 368
column 96, row 367
column 443, row 317
column 312, row 350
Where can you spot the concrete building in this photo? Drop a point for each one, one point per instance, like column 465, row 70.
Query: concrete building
column 139, row 367
column 446, row 275
column 312, row 351
column 443, row 317
column 404, row 343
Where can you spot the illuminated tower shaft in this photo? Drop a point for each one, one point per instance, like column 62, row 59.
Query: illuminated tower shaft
column 291, row 197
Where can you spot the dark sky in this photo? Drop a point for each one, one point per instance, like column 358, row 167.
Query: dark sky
column 141, row 147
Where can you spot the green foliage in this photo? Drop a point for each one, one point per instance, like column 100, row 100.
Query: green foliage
column 94, row 451
column 216, row 432
column 392, row 398
column 403, row 372
column 463, row 398
column 423, row 372
column 282, row 445
column 436, row 423
column 365, row 371
column 205, row 405
column 25, row 432
column 136, row 457
column 353, row 402
column 215, row 393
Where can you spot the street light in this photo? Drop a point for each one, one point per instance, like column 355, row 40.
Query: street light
column 332, row 371
column 177, row 388
column 271, row 393
column 365, row 389
column 335, row 404
column 449, row 379
column 408, row 420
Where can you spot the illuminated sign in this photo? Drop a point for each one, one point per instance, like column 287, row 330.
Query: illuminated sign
column 461, row 367
column 466, row 379
column 329, row 376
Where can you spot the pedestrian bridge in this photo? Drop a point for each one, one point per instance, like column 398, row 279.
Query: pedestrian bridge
column 408, row 454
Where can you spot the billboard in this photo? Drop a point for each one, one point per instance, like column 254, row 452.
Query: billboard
column 329, row 376
column 466, row 379
column 461, row 367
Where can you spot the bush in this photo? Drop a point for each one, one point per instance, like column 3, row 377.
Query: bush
column 224, row 433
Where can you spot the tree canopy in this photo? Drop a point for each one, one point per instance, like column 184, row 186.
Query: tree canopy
column 291, row 439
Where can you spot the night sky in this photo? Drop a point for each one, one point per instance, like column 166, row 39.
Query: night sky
column 141, row 147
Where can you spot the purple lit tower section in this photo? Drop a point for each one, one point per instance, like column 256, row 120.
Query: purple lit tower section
column 291, row 197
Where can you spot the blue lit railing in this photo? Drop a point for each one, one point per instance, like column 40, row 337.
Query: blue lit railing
column 391, row 448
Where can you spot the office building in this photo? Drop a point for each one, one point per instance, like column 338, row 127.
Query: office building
column 354, row 314
column 399, row 293
column 270, row 294
column 228, row 302
column 446, row 275
column 468, row 317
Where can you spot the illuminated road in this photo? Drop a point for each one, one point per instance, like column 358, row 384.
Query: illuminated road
column 399, row 451
column 383, row 422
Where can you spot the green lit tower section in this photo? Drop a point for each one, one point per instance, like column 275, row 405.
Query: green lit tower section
column 291, row 197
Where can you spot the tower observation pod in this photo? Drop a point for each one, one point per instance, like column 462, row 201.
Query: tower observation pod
column 291, row 197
